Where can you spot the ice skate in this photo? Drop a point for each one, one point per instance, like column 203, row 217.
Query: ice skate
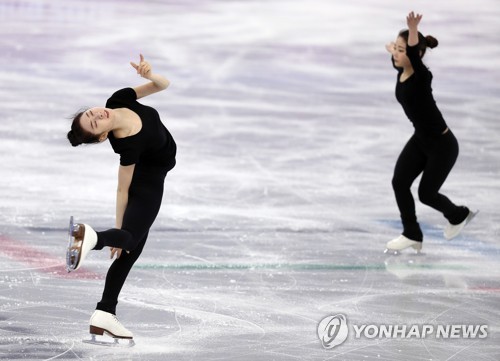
column 106, row 324
column 82, row 238
column 400, row 243
column 453, row 230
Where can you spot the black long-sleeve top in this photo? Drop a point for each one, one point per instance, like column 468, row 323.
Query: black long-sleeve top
column 153, row 145
column 415, row 96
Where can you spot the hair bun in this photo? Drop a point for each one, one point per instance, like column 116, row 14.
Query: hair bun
column 431, row 41
column 73, row 139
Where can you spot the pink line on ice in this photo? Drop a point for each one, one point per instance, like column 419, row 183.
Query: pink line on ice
column 40, row 261
column 486, row 289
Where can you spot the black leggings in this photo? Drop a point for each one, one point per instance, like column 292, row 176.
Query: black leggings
column 434, row 158
column 144, row 201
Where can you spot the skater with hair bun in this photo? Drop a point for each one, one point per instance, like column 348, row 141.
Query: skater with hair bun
column 147, row 153
column 431, row 151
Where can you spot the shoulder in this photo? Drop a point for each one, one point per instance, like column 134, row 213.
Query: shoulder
column 122, row 97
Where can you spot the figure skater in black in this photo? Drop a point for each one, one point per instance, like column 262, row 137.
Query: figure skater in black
column 147, row 152
column 431, row 151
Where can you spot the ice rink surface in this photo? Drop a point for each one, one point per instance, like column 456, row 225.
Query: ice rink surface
column 277, row 213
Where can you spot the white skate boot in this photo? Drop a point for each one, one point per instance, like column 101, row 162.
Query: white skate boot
column 106, row 323
column 453, row 230
column 400, row 243
column 82, row 238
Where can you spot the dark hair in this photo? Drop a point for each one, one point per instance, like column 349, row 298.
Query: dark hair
column 77, row 135
column 424, row 42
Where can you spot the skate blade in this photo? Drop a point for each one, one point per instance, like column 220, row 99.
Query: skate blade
column 110, row 342
column 73, row 252
column 394, row 252
column 397, row 252
column 72, row 259
column 471, row 216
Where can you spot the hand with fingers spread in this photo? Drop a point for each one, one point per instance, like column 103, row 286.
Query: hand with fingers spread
column 143, row 69
column 412, row 20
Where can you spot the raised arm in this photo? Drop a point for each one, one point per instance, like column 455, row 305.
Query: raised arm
column 412, row 21
column 413, row 50
column 156, row 84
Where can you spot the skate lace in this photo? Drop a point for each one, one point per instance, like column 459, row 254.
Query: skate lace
column 119, row 325
column 117, row 322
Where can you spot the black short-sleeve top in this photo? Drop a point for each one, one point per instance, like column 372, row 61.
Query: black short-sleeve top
column 416, row 98
column 153, row 145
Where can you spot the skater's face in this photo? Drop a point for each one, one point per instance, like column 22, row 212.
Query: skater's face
column 399, row 55
column 97, row 121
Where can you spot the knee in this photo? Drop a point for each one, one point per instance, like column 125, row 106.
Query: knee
column 136, row 242
column 425, row 196
column 131, row 242
column 131, row 256
column 137, row 249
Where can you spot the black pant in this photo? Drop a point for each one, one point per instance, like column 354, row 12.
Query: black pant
column 434, row 158
column 144, row 201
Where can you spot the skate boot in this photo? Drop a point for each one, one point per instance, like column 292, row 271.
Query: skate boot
column 400, row 243
column 106, row 323
column 453, row 230
column 82, row 238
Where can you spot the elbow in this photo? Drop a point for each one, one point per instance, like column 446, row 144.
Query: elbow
column 160, row 84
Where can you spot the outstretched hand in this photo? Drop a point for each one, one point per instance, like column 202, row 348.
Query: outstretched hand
column 143, row 69
column 412, row 20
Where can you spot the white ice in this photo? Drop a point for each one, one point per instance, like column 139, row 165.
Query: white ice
column 280, row 205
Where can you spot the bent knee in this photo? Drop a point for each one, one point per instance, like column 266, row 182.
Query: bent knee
column 399, row 184
column 426, row 197
column 136, row 240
